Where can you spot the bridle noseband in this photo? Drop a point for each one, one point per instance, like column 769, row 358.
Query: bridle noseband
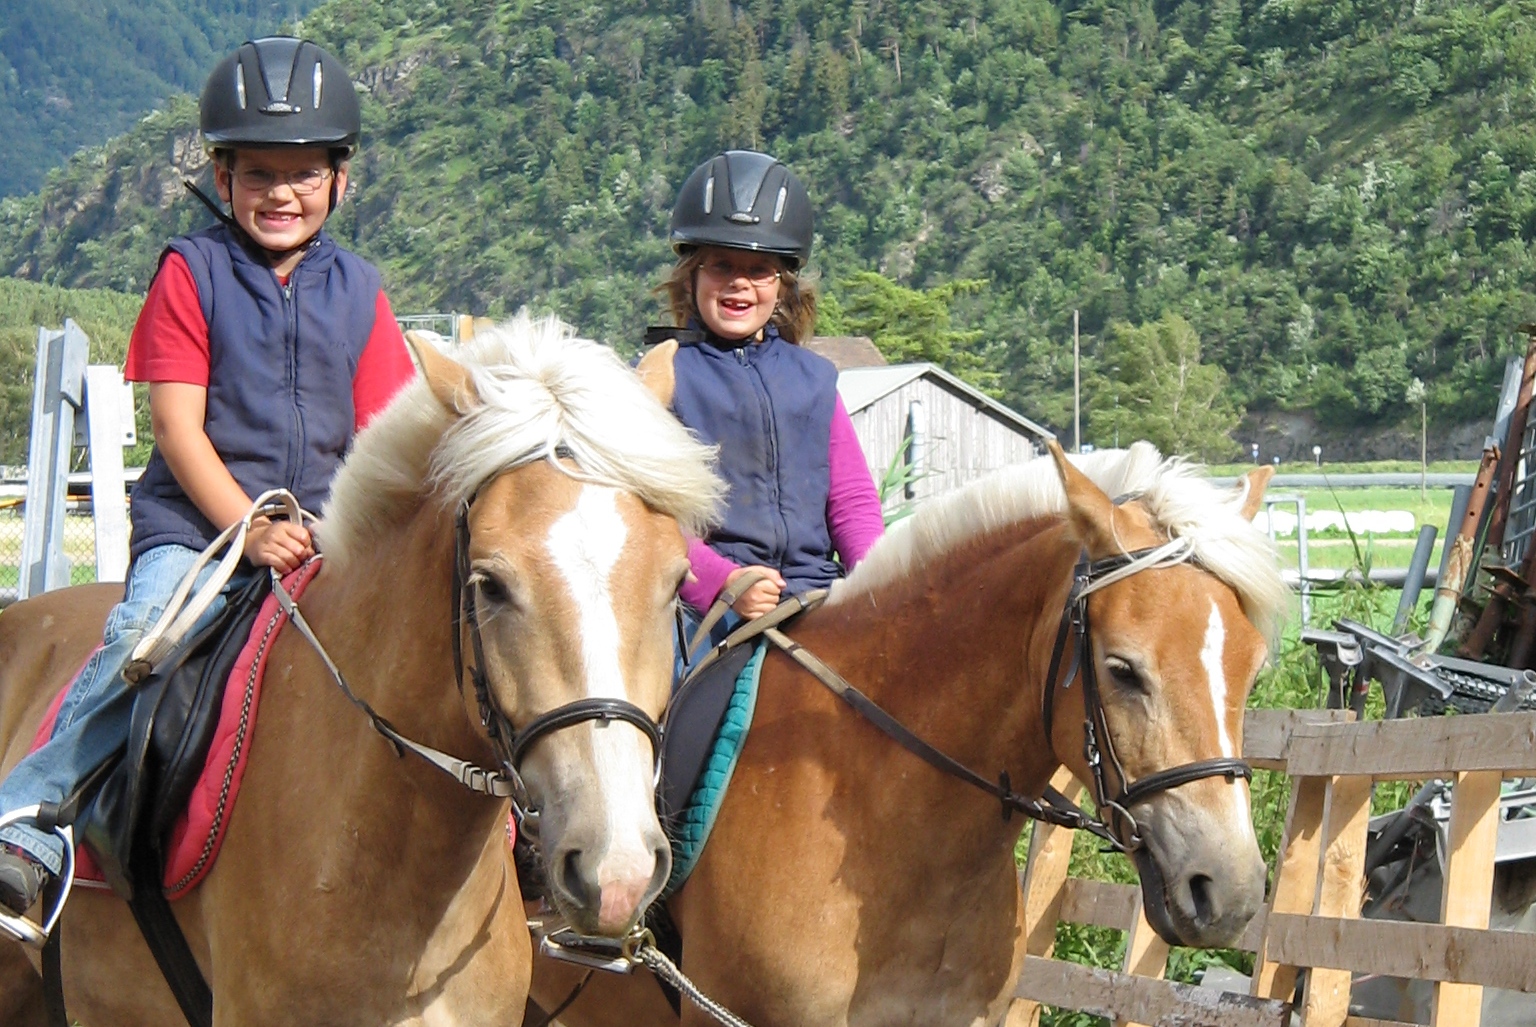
column 1119, row 827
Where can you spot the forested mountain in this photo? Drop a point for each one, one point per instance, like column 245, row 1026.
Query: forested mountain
column 1336, row 196
column 75, row 72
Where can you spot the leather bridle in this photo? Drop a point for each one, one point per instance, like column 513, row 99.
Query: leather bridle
column 512, row 743
column 1119, row 827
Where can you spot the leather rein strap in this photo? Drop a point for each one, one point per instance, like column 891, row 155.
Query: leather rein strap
column 1120, row 829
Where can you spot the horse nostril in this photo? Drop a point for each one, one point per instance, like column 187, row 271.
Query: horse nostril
column 572, row 880
column 1200, row 887
column 663, row 854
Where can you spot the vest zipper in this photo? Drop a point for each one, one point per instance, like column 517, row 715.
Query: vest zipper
column 291, row 345
column 781, row 523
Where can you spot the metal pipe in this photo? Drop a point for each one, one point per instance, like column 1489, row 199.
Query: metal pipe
column 1458, row 566
column 1414, row 582
column 1461, row 495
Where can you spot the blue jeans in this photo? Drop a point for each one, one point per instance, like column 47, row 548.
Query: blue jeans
column 94, row 717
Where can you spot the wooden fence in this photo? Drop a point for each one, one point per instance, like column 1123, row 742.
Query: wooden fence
column 1312, row 919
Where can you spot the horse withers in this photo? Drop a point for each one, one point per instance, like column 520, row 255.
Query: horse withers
column 846, row 881
column 357, row 886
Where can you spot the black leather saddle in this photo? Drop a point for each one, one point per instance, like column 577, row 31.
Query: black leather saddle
column 175, row 713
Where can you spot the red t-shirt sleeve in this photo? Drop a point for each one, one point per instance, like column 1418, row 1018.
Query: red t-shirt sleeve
column 170, row 338
column 383, row 368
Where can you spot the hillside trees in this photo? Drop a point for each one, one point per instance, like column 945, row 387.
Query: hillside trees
column 1336, row 198
column 1149, row 383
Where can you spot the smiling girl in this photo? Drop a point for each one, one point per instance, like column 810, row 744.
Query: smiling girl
column 802, row 506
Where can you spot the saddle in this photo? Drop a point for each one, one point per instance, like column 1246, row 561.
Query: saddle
column 706, row 725
column 128, row 823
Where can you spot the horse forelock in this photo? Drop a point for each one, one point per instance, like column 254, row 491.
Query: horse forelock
column 1178, row 499
column 541, row 389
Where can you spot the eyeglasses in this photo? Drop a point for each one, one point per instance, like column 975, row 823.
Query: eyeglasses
column 303, row 182
column 757, row 274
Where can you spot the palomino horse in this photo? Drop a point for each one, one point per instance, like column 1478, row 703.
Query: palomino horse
column 358, row 887
column 848, row 882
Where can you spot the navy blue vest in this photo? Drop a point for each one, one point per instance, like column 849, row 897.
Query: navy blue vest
column 281, row 364
column 768, row 406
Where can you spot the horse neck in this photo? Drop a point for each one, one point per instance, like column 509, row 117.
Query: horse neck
column 387, row 623
column 963, row 647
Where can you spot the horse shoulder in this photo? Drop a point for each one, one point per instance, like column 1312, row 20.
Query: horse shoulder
column 43, row 642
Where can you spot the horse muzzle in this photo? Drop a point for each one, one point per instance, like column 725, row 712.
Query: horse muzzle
column 1198, row 889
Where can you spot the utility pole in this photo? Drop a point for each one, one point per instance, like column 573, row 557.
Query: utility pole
column 1077, row 389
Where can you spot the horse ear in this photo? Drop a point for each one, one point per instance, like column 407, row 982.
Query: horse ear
column 655, row 371
column 1255, row 481
column 446, row 377
column 1088, row 508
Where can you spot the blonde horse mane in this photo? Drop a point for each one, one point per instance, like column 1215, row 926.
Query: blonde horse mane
column 539, row 389
column 1175, row 493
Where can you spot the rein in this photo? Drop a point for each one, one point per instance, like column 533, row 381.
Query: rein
column 1120, row 829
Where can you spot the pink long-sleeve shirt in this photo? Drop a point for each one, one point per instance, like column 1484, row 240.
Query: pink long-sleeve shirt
column 854, row 520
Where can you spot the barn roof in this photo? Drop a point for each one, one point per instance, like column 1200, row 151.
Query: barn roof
column 862, row 387
column 846, row 351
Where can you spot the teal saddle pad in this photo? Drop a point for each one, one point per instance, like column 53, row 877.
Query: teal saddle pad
column 689, row 826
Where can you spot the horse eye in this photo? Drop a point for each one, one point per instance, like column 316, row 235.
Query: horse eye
column 493, row 590
column 1124, row 675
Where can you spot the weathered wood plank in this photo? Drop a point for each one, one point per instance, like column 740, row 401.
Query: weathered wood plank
column 1120, row 996
column 1267, row 733
column 1101, row 904
column 1340, row 891
column 1044, row 884
column 1295, row 880
column 1470, row 841
column 1146, row 954
column 1494, row 959
column 1417, row 747
column 1365, row 1021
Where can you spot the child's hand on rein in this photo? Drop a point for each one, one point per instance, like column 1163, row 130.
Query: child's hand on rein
column 281, row 545
column 759, row 598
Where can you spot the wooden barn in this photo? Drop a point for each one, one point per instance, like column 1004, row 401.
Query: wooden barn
column 923, row 416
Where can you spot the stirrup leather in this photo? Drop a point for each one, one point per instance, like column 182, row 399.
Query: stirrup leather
column 20, row 928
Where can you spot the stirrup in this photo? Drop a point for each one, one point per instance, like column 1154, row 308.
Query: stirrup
column 18, row 927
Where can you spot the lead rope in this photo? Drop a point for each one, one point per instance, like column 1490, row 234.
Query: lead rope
column 653, row 959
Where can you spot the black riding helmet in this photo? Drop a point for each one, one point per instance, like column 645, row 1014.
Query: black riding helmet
column 280, row 91
column 744, row 200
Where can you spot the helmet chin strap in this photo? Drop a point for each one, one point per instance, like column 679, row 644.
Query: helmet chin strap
column 275, row 257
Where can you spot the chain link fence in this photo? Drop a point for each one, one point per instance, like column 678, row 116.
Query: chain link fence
column 79, row 543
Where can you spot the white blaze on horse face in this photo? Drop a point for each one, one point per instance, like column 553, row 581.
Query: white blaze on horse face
column 1211, row 657
column 1211, row 654
column 585, row 545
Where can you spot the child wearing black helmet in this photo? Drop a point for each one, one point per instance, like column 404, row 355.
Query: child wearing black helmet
column 802, row 506
column 266, row 346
